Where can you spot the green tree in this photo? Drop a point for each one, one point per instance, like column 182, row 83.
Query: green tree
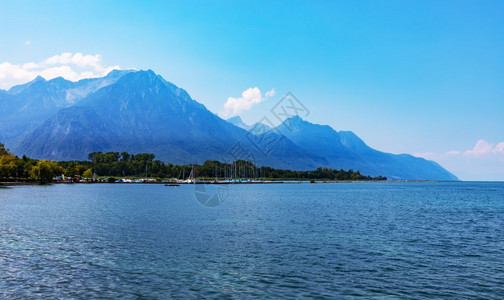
column 44, row 171
column 80, row 169
column 125, row 156
column 96, row 157
column 7, row 166
column 88, row 174
column 111, row 157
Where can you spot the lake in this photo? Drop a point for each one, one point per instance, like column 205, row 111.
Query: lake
column 340, row 240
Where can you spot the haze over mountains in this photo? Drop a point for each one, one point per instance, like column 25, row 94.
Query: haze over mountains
column 139, row 111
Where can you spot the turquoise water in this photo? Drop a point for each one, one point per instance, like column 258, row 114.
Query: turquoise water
column 371, row 240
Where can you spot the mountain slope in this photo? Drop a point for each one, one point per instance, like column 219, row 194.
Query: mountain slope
column 141, row 112
column 25, row 106
column 237, row 121
column 72, row 130
column 324, row 141
column 257, row 128
column 346, row 150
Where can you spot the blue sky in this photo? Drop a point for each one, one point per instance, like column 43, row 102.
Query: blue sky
column 419, row 77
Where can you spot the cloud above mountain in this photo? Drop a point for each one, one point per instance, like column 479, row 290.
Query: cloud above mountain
column 499, row 149
column 483, row 159
column 71, row 66
column 249, row 98
column 482, row 148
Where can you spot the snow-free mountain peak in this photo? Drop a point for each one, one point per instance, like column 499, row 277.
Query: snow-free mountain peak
column 237, row 121
column 21, row 87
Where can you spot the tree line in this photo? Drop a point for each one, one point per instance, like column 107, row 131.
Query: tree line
column 14, row 168
column 142, row 165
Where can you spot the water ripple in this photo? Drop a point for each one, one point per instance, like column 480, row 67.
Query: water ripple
column 390, row 240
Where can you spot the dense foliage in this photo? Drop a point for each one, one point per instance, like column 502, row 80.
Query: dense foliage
column 12, row 166
column 246, row 169
column 115, row 164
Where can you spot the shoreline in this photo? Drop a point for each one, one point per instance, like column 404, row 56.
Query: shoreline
column 28, row 183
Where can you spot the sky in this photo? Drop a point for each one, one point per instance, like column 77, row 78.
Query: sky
column 419, row 77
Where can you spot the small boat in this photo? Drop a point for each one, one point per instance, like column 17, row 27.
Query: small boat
column 172, row 184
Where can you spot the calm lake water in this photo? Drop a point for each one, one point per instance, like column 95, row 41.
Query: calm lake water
column 348, row 240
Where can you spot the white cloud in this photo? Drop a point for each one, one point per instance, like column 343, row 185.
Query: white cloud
column 248, row 99
column 67, row 65
column 483, row 162
column 270, row 93
column 27, row 43
column 499, row 149
column 482, row 147
column 30, row 65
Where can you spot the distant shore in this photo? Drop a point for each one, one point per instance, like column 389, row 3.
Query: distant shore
column 21, row 183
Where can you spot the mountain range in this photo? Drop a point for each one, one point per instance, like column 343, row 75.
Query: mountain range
column 139, row 111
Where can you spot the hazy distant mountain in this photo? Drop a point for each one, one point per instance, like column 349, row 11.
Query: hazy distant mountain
column 237, row 121
column 321, row 139
column 72, row 130
column 139, row 111
column 345, row 150
column 256, row 128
